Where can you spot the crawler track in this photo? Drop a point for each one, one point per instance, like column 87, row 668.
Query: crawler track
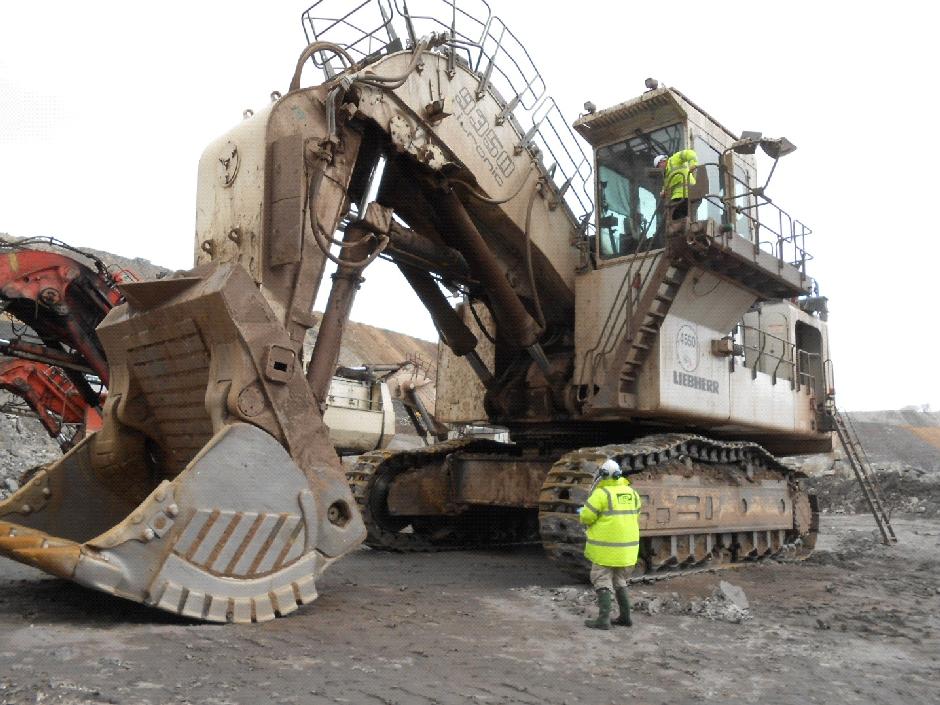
column 569, row 483
column 564, row 492
column 370, row 478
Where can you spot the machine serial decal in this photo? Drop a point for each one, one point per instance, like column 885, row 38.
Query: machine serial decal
column 687, row 348
column 484, row 138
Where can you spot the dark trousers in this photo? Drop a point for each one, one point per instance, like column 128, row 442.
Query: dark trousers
column 678, row 208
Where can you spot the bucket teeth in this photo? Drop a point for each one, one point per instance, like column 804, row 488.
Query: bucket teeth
column 11, row 544
column 39, row 550
column 245, row 502
column 13, row 537
column 58, row 560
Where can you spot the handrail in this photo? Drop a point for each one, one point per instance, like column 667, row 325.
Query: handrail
column 613, row 330
column 830, row 377
column 362, row 404
column 481, row 43
column 789, row 238
column 790, row 356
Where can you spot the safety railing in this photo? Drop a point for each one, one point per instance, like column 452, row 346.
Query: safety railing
column 774, row 231
column 364, row 29
column 765, row 349
column 481, row 43
column 772, row 350
column 345, row 401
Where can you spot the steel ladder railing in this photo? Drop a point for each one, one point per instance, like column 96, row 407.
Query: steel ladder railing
column 861, row 466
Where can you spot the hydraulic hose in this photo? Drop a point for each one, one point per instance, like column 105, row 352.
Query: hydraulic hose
column 323, row 241
column 492, row 201
column 311, row 49
column 390, row 82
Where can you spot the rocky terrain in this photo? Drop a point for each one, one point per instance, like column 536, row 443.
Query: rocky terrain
column 903, row 448
column 24, row 444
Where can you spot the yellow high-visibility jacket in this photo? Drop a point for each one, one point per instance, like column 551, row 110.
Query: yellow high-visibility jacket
column 679, row 176
column 612, row 517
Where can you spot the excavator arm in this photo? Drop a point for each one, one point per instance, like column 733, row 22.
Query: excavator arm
column 59, row 301
column 50, row 394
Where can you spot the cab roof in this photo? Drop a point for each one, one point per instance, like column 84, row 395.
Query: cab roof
column 653, row 109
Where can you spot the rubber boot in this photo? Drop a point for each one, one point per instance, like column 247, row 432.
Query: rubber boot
column 623, row 602
column 603, row 615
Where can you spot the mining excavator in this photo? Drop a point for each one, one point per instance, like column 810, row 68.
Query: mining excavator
column 595, row 322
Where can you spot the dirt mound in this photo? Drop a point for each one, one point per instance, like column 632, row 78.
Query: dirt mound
column 363, row 344
column 900, row 440
column 903, row 493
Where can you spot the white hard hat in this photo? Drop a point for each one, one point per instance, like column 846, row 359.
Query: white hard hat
column 609, row 468
column 659, row 159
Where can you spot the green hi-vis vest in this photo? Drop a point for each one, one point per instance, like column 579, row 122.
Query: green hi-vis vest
column 678, row 175
column 612, row 516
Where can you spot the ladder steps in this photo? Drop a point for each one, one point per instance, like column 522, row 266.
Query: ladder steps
column 855, row 453
column 650, row 310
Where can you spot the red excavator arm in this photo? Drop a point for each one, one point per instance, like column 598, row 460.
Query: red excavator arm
column 62, row 301
column 52, row 397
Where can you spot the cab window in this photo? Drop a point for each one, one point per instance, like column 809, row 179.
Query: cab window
column 709, row 159
column 742, row 200
column 628, row 190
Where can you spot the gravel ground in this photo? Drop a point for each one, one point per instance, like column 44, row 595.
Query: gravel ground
column 23, row 445
column 856, row 623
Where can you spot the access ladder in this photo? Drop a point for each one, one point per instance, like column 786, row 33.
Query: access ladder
column 861, row 466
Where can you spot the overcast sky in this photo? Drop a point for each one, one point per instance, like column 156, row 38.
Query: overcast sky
column 105, row 108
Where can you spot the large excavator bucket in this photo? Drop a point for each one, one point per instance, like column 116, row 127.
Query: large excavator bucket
column 212, row 490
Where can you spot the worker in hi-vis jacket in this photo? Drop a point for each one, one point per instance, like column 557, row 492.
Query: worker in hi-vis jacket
column 612, row 517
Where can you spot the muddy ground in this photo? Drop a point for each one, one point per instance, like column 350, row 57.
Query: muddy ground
column 857, row 623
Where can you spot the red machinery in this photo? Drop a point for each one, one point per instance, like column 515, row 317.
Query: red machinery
column 50, row 394
column 61, row 301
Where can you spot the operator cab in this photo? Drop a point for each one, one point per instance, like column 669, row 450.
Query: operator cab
column 627, row 138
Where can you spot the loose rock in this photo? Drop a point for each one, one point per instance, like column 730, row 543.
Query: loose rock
column 733, row 594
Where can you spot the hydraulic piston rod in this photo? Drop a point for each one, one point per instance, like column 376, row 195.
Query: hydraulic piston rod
column 511, row 316
column 455, row 332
